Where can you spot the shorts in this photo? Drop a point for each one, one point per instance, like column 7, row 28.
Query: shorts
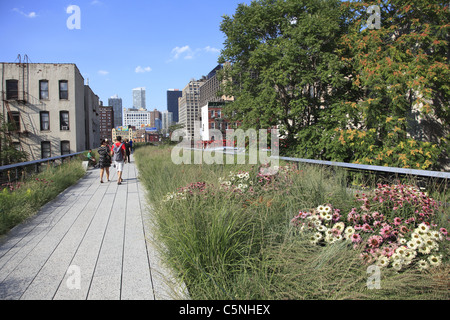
column 119, row 165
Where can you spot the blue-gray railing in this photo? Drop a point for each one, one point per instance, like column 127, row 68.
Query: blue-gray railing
column 16, row 168
column 382, row 169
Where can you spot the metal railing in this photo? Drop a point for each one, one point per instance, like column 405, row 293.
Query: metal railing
column 372, row 168
column 15, row 171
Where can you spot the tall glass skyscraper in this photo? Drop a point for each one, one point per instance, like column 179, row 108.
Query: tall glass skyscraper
column 116, row 103
column 139, row 98
column 172, row 103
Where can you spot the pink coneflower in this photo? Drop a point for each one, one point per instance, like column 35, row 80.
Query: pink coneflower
column 443, row 231
column 375, row 241
column 397, row 221
column 403, row 229
column 366, row 227
column 356, row 238
column 386, row 231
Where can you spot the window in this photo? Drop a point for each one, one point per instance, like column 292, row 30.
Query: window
column 212, row 113
column 63, row 90
column 15, row 121
column 45, row 149
column 45, row 120
column 64, row 120
column 65, row 147
column 43, row 89
column 12, row 89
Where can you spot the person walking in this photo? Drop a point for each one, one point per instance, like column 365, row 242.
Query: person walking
column 127, row 150
column 119, row 153
column 105, row 160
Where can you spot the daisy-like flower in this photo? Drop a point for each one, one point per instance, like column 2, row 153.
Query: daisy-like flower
column 422, row 264
column 397, row 265
column 349, row 230
column 402, row 241
column 383, row 261
column 327, row 209
column 328, row 217
column 322, row 228
column 320, row 209
column 397, row 221
column 339, row 226
column 422, row 228
column 411, row 244
column 424, row 249
column 401, row 251
column 318, row 236
column 434, row 260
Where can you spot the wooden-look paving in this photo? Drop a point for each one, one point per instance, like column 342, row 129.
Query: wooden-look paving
column 93, row 241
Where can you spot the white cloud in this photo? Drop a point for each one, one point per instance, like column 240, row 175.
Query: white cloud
column 139, row 69
column 32, row 14
column 211, row 49
column 178, row 51
column 188, row 53
column 103, row 72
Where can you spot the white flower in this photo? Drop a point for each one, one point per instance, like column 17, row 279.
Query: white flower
column 422, row 228
column 318, row 236
column 434, row 260
column 328, row 217
column 402, row 241
column 327, row 209
column 422, row 265
column 397, row 265
column 424, row 249
column 339, row 226
column 383, row 261
column 322, row 228
column 411, row 244
column 320, row 209
column 349, row 230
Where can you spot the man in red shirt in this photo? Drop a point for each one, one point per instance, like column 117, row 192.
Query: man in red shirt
column 119, row 157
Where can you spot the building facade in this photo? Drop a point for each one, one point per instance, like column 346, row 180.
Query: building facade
column 211, row 104
column 53, row 112
column 172, row 103
column 189, row 107
column 106, row 122
column 116, row 103
column 139, row 98
column 136, row 117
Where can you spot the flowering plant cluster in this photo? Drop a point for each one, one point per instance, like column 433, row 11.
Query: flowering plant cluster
column 238, row 182
column 183, row 192
column 398, row 242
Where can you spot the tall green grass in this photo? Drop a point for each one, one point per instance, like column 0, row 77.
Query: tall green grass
column 21, row 200
column 225, row 245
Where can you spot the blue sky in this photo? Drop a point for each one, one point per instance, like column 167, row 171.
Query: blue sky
column 121, row 45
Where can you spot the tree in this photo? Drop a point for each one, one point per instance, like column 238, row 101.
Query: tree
column 283, row 60
column 401, row 75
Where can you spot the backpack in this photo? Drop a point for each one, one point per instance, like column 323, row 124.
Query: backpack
column 118, row 155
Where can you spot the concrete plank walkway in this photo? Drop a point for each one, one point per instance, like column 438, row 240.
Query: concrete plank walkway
column 93, row 241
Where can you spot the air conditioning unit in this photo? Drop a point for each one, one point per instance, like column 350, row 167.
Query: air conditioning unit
column 64, row 127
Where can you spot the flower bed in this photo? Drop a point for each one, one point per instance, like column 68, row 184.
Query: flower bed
column 394, row 227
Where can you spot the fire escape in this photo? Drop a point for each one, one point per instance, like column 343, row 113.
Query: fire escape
column 17, row 95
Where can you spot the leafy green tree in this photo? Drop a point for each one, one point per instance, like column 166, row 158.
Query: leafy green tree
column 401, row 76
column 283, row 60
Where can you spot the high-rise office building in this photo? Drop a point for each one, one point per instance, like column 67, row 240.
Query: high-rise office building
column 172, row 103
column 116, row 103
column 189, row 107
column 139, row 98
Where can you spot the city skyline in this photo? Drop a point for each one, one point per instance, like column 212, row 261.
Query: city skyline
column 119, row 46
